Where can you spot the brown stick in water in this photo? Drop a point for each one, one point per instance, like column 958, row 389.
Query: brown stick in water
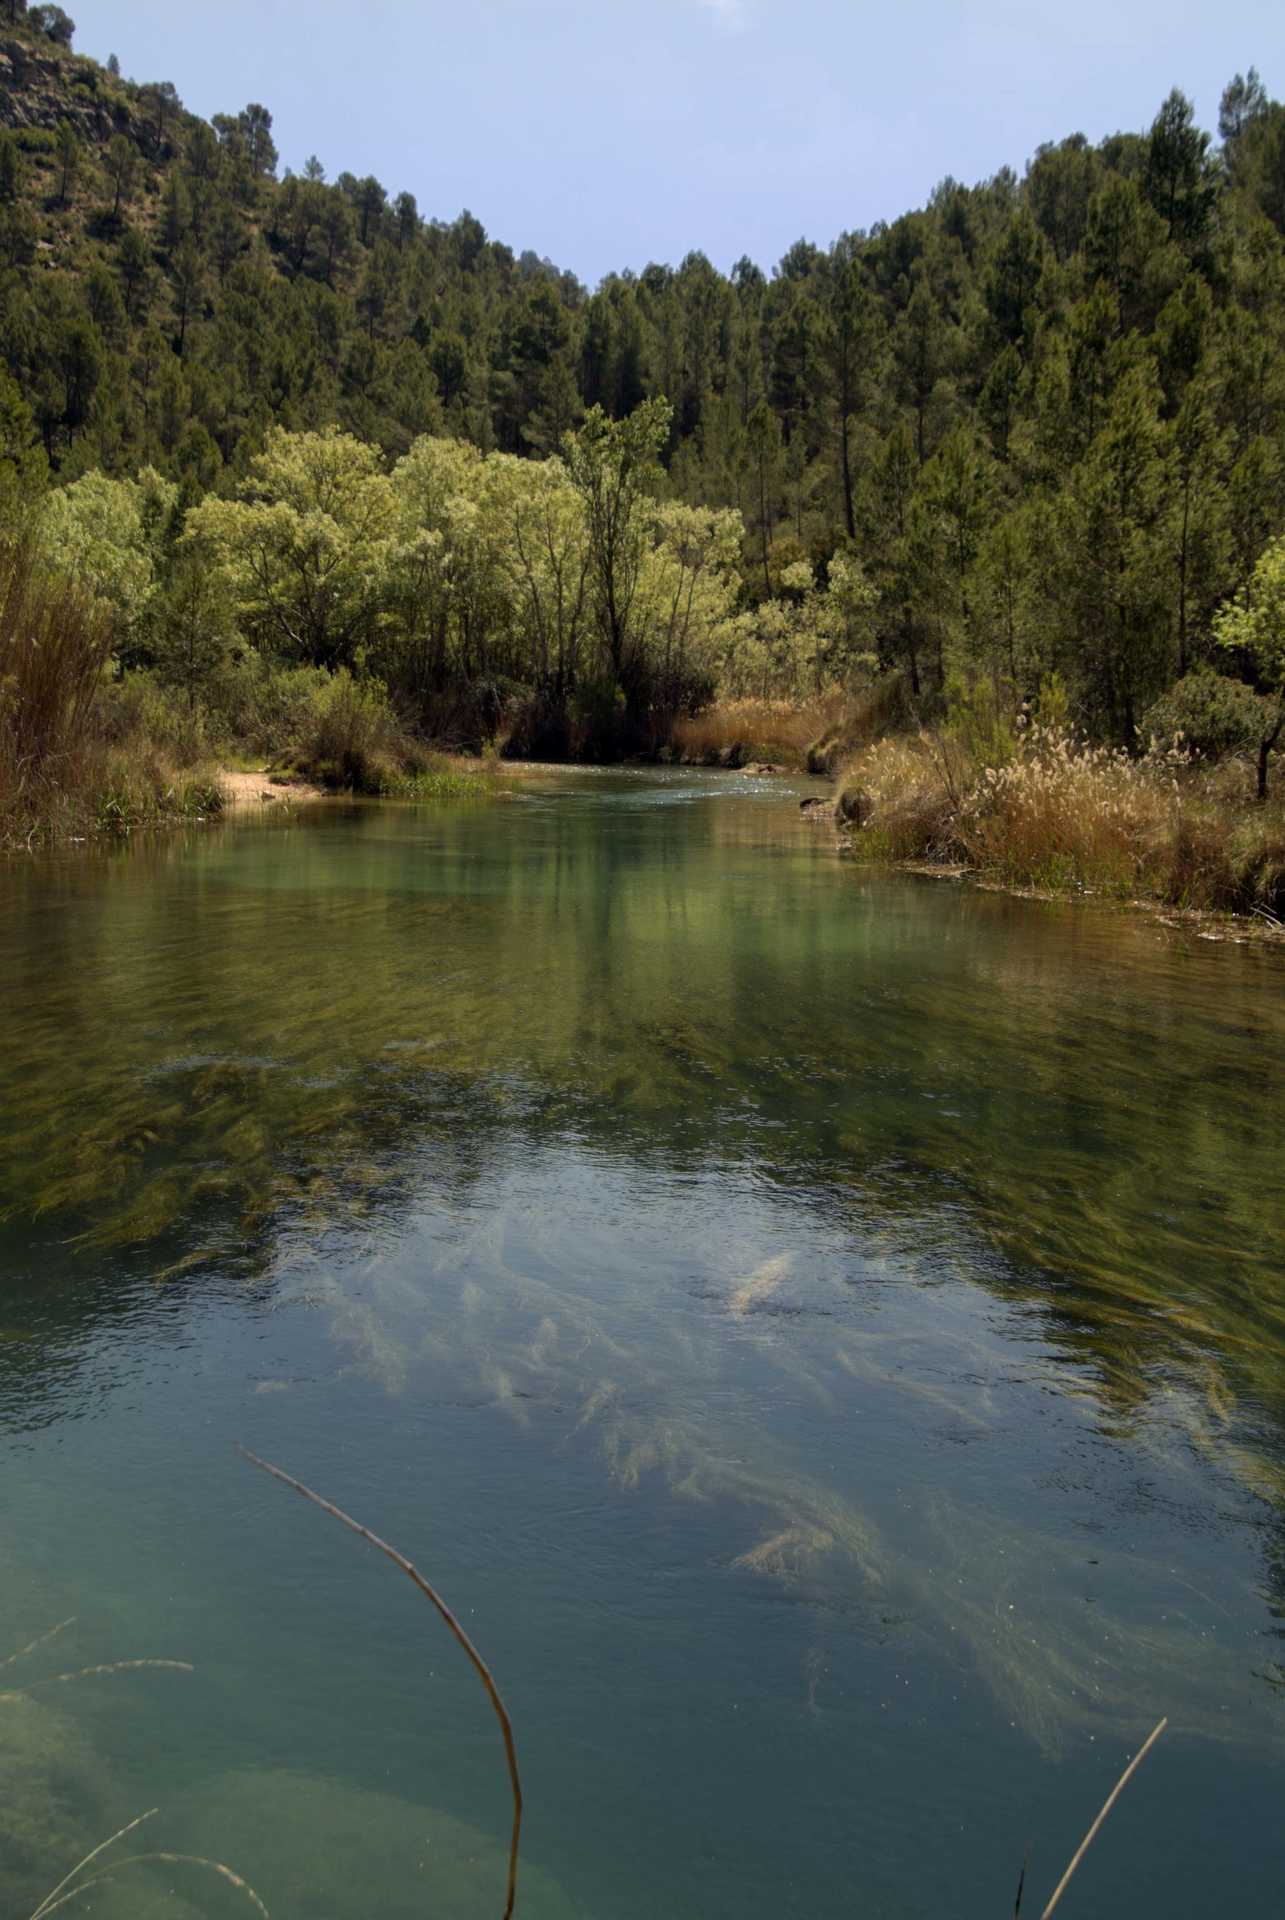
column 1111, row 1799
column 483, row 1671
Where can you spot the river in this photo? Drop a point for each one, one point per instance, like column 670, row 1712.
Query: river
column 823, row 1330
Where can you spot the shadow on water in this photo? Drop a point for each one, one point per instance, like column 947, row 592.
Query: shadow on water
column 900, row 1256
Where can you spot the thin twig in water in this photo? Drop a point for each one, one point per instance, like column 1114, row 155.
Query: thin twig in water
column 483, row 1671
column 173, row 1859
column 1111, row 1799
column 1021, row 1885
column 43, row 1641
column 50, row 1898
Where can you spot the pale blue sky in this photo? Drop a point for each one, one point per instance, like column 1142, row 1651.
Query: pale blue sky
column 607, row 133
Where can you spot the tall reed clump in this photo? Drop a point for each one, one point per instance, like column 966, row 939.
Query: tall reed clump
column 55, row 642
column 1061, row 814
column 732, row 733
column 67, row 766
column 1064, row 814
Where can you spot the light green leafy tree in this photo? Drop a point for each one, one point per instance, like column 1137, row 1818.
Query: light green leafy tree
column 1254, row 624
column 806, row 640
column 614, row 467
column 548, row 562
column 448, row 588
column 687, row 592
column 112, row 535
column 306, row 547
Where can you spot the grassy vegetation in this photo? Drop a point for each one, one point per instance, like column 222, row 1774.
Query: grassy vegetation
column 732, row 733
column 72, row 761
column 814, row 735
column 86, row 748
column 1046, row 809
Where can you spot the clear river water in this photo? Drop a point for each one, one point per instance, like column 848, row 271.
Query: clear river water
column 823, row 1330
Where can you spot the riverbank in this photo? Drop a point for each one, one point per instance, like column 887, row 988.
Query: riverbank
column 1056, row 816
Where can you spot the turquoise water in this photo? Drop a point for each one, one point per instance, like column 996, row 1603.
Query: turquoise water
column 822, row 1330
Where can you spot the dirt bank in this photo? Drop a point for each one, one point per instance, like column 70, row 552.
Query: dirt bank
column 257, row 790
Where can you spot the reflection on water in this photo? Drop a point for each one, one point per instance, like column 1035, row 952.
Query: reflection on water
column 826, row 1328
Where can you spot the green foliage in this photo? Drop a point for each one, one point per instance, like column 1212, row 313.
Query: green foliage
column 1210, row 713
column 980, row 720
column 1253, row 624
column 613, row 466
column 303, row 549
column 190, row 626
column 111, row 535
column 23, row 467
column 53, row 23
column 1043, row 419
column 351, row 737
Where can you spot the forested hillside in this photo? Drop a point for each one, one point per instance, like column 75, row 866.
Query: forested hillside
column 1045, row 414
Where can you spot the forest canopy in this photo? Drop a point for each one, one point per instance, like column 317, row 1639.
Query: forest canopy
column 1031, row 431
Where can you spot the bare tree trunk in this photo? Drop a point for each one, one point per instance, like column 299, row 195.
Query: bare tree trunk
column 1265, row 746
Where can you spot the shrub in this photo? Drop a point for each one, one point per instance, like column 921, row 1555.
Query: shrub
column 734, row 732
column 897, row 790
column 140, row 707
column 267, row 709
column 353, row 739
column 880, row 708
column 1065, row 815
column 76, row 752
column 1211, row 713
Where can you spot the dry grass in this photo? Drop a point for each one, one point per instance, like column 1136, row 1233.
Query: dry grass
column 734, row 732
column 54, row 647
column 1066, row 816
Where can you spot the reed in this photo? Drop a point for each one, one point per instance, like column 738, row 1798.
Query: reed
column 68, row 766
column 734, row 732
column 1064, row 815
column 479, row 1664
column 55, row 642
column 1096, row 1828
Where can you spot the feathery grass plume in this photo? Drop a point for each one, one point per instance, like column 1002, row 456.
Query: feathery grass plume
column 483, row 1671
column 1068, row 816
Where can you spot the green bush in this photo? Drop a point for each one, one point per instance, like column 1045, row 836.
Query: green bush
column 266, row 709
column 352, row 737
column 139, row 706
column 1214, row 714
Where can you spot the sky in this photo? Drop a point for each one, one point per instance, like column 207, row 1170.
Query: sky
column 605, row 134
